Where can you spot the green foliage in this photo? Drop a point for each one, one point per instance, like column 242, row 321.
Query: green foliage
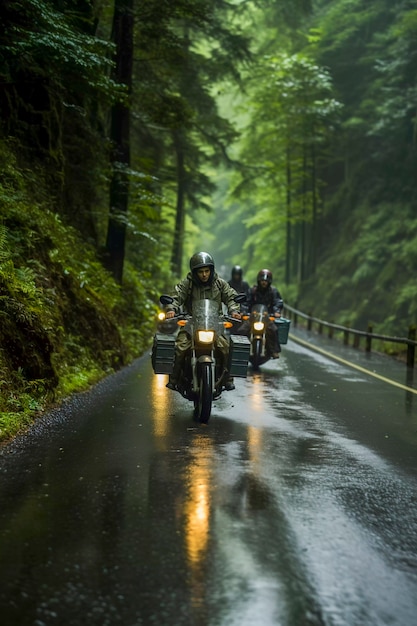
column 291, row 114
column 64, row 321
column 41, row 38
column 328, row 158
column 184, row 50
column 368, row 230
column 373, row 280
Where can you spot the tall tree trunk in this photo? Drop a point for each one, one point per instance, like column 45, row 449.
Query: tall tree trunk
column 302, row 252
column 313, row 243
column 178, row 243
column 179, row 138
column 288, row 234
column 122, row 36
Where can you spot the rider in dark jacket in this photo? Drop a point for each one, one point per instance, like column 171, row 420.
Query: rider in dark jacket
column 237, row 283
column 264, row 293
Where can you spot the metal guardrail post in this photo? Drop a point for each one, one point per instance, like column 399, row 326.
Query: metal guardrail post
column 346, row 336
column 411, row 347
column 369, row 338
column 331, row 329
column 295, row 314
column 309, row 321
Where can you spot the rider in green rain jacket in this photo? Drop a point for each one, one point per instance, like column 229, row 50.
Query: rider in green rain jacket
column 202, row 283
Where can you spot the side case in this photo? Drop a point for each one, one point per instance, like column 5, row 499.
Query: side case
column 283, row 325
column 239, row 355
column 163, row 353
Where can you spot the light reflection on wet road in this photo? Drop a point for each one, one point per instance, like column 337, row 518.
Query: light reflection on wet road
column 296, row 506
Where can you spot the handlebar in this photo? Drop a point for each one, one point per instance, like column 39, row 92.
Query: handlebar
column 229, row 318
column 180, row 316
column 186, row 316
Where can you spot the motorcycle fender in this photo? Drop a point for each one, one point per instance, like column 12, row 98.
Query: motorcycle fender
column 205, row 358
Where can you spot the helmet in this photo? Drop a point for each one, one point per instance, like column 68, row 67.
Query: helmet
column 236, row 269
column 264, row 275
column 201, row 259
column 198, row 260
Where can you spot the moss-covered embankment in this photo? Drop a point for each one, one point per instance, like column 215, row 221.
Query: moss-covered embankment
column 64, row 322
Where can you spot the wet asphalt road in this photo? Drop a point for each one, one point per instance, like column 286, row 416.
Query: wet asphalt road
column 295, row 506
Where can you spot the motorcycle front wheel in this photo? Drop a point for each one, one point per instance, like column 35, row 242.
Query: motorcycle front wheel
column 257, row 353
column 202, row 404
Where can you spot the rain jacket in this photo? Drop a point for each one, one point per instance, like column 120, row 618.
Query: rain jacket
column 189, row 291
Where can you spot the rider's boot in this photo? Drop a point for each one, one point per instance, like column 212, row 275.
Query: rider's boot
column 229, row 385
column 176, row 371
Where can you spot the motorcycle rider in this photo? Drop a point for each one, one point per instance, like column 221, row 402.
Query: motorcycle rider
column 264, row 293
column 202, row 282
column 237, row 283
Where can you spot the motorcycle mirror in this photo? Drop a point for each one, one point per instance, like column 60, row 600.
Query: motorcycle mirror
column 240, row 297
column 166, row 300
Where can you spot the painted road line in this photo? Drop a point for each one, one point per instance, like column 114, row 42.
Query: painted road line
column 350, row 364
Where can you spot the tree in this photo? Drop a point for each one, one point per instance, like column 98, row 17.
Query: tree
column 122, row 36
column 184, row 50
column 292, row 114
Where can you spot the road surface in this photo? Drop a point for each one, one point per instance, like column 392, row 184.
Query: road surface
column 295, row 506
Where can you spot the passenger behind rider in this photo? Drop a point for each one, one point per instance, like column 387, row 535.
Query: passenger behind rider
column 264, row 293
column 201, row 283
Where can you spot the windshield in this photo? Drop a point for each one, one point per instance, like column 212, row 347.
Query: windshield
column 259, row 312
column 206, row 315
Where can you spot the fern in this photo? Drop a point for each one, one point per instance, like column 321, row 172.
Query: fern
column 25, row 281
column 3, row 243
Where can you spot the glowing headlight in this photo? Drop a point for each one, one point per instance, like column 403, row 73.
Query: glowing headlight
column 161, row 316
column 206, row 336
column 259, row 325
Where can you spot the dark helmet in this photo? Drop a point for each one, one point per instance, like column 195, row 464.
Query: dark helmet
column 236, row 269
column 264, row 275
column 201, row 259
column 198, row 260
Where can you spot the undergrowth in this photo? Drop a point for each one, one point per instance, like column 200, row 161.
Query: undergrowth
column 64, row 322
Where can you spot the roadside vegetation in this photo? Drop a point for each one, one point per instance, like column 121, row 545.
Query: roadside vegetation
column 65, row 321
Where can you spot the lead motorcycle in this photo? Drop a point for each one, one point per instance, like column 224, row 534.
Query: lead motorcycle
column 203, row 375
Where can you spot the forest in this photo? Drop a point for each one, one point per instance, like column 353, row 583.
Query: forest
column 135, row 132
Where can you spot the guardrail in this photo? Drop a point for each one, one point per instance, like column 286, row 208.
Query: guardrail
column 368, row 334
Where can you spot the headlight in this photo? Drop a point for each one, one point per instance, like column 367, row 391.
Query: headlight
column 259, row 325
column 161, row 316
column 205, row 336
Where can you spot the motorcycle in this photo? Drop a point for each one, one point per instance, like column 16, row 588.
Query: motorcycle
column 203, row 376
column 259, row 319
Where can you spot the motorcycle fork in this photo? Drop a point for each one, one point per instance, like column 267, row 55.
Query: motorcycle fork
column 194, row 366
column 253, row 336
